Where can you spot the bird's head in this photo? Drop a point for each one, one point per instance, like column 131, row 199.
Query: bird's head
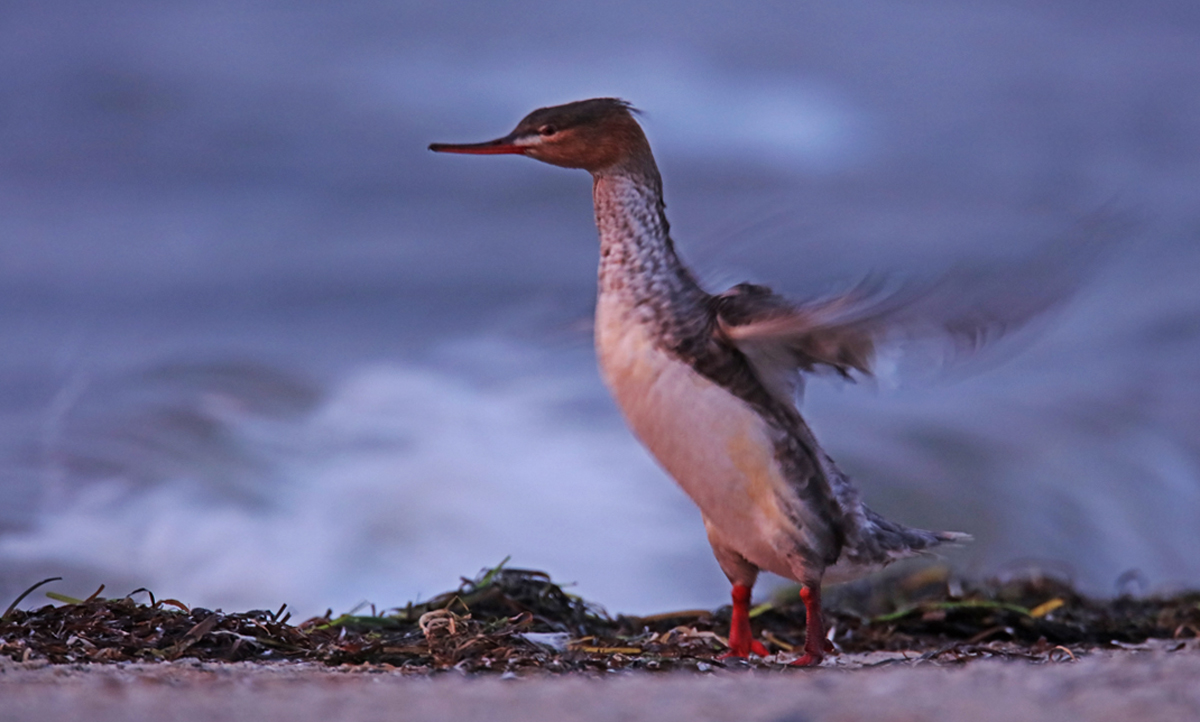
column 596, row 135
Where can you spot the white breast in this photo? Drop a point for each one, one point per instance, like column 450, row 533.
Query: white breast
column 713, row 443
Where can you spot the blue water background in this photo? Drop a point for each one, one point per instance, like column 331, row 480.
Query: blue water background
column 260, row 346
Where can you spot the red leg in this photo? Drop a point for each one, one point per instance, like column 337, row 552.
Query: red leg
column 741, row 640
column 814, row 628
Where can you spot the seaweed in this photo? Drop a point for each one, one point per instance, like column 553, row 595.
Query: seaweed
column 515, row 620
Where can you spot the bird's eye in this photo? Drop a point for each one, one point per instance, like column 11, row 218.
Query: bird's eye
column 547, row 130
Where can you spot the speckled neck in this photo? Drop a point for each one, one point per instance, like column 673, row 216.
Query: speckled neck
column 637, row 257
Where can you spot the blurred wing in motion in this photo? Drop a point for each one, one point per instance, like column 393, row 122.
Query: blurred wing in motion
column 781, row 339
column 956, row 315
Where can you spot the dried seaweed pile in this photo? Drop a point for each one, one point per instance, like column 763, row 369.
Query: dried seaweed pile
column 511, row 620
column 1033, row 617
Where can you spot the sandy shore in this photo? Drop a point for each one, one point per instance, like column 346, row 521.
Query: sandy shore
column 1153, row 684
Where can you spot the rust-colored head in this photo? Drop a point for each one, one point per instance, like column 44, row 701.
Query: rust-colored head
column 597, row 135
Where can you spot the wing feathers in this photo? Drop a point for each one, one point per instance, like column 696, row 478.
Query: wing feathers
column 955, row 316
column 951, row 317
column 771, row 331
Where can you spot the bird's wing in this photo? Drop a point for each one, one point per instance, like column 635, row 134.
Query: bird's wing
column 781, row 338
column 952, row 317
column 833, row 332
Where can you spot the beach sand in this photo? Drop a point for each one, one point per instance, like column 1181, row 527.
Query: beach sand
column 1158, row 681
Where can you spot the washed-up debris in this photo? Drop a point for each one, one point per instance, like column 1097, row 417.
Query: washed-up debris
column 513, row 620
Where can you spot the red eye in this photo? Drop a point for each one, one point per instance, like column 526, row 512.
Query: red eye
column 547, row 130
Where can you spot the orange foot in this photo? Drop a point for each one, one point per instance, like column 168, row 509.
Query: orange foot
column 815, row 644
column 741, row 640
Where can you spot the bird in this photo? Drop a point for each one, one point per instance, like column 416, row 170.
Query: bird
column 709, row 383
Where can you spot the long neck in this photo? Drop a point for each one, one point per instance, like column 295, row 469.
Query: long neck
column 637, row 258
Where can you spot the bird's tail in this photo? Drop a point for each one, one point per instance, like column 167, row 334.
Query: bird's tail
column 892, row 541
column 875, row 542
column 953, row 537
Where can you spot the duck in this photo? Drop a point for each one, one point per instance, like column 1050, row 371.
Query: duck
column 710, row 382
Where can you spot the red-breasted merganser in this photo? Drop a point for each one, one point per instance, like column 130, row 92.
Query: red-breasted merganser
column 709, row 383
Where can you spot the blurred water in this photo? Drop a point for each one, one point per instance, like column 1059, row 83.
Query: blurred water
column 260, row 346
